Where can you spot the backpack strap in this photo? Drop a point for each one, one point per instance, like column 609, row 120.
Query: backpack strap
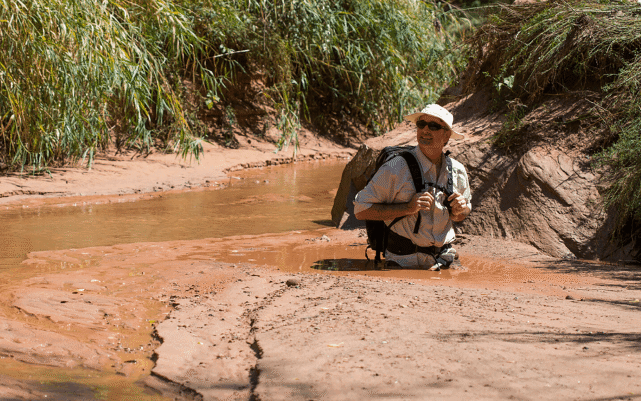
column 415, row 170
column 449, row 187
column 417, row 179
column 385, row 237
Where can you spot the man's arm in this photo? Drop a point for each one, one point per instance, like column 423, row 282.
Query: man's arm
column 390, row 211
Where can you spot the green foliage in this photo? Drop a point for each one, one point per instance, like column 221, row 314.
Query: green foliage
column 508, row 135
column 75, row 74
column 372, row 60
column 622, row 160
column 71, row 70
column 556, row 46
column 230, row 122
column 624, row 173
column 288, row 122
column 576, row 45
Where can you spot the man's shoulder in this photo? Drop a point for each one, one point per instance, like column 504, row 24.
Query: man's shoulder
column 398, row 161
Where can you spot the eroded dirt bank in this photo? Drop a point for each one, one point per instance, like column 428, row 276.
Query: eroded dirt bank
column 216, row 319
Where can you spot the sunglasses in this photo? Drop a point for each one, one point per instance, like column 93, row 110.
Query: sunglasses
column 420, row 124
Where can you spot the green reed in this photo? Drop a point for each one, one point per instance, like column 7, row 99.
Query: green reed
column 77, row 76
column 369, row 61
column 75, row 72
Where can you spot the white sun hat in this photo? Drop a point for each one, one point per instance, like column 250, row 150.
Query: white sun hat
column 436, row 111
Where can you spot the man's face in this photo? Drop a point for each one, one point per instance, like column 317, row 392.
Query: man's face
column 432, row 140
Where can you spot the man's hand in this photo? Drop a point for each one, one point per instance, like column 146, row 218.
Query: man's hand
column 459, row 207
column 420, row 201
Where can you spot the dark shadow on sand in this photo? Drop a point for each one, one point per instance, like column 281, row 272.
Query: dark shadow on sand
column 346, row 265
column 628, row 273
column 327, row 223
column 350, row 265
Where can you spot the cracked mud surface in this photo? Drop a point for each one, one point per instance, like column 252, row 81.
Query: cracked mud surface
column 340, row 337
column 215, row 320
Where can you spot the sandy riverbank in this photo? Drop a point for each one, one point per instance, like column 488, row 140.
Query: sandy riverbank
column 216, row 319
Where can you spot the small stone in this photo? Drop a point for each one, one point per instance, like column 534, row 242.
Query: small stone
column 293, row 282
column 569, row 297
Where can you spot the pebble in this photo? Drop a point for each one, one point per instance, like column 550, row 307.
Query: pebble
column 293, row 282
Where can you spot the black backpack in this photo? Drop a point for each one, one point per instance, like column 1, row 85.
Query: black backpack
column 377, row 230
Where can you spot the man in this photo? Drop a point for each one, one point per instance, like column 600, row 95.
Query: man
column 390, row 194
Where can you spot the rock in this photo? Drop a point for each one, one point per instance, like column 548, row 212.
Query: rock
column 67, row 307
column 293, row 282
column 358, row 171
column 543, row 196
column 355, row 171
column 34, row 346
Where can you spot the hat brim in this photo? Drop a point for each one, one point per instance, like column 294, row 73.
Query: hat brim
column 414, row 117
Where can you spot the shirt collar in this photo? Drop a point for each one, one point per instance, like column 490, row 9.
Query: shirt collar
column 423, row 160
column 427, row 164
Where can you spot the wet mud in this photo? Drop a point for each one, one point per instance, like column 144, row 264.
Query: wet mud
column 300, row 314
column 223, row 319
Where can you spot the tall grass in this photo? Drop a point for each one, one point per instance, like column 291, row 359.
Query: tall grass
column 573, row 46
column 560, row 46
column 623, row 158
column 375, row 60
column 78, row 74
column 366, row 60
column 72, row 71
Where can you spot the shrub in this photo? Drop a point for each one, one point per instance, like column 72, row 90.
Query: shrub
column 71, row 71
column 370, row 60
column 75, row 74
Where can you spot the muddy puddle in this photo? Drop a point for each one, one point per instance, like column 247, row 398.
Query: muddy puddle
column 327, row 251
column 277, row 199
column 270, row 200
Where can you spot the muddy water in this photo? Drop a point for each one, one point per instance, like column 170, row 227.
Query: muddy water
column 315, row 252
column 269, row 200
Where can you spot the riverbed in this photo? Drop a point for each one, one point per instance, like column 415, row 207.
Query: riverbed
column 184, row 294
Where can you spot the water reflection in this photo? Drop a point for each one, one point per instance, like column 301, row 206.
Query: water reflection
column 345, row 265
column 364, row 265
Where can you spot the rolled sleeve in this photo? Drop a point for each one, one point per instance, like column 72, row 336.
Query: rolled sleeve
column 360, row 205
column 387, row 186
